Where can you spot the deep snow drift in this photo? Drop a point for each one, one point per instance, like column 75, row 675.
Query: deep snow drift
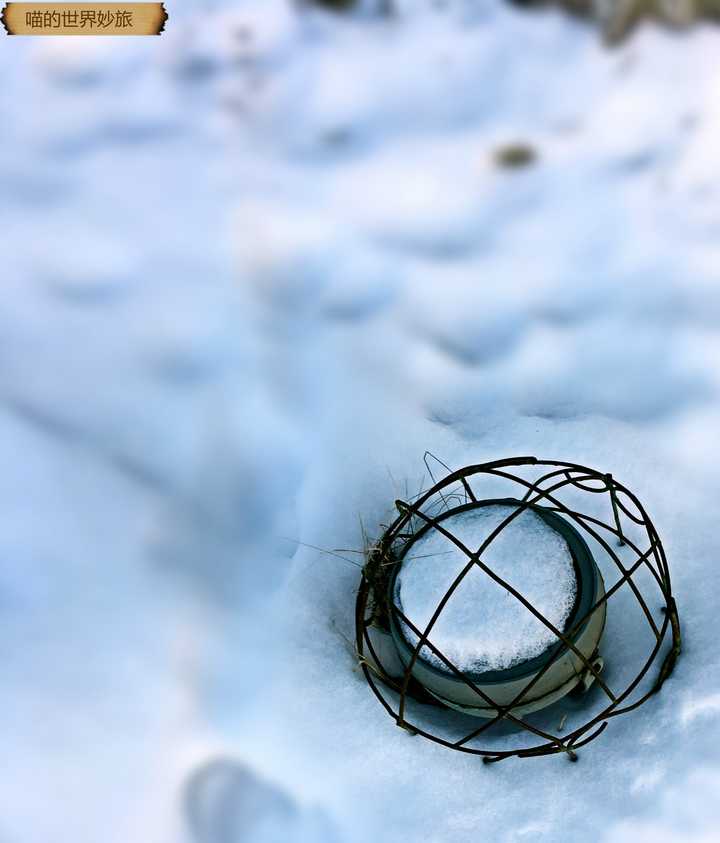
column 252, row 270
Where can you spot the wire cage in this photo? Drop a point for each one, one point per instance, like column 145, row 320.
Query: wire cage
column 611, row 539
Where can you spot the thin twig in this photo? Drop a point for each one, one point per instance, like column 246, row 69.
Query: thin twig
column 322, row 550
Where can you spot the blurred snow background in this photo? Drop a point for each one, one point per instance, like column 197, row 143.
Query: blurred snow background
column 251, row 271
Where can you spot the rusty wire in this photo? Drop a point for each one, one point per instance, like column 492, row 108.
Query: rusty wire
column 374, row 606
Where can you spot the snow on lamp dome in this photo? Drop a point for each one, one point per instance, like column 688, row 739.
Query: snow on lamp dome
column 482, row 626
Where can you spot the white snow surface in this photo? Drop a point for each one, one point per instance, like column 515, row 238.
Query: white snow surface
column 251, row 270
column 483, row 626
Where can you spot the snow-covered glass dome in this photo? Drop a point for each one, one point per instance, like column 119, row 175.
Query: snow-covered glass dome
column 483, row 629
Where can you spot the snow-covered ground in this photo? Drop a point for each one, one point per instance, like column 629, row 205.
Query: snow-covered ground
column 251, row 271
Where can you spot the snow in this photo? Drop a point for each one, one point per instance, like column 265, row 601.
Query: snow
column 190, row 401
column 482, row 626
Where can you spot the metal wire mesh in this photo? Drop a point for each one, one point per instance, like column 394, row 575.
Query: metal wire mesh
column 536, row 483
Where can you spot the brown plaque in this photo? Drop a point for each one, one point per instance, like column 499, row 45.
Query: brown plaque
column 84, row 18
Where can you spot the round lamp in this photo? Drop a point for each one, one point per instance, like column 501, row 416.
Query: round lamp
column 557, row 669
column 488, row 596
